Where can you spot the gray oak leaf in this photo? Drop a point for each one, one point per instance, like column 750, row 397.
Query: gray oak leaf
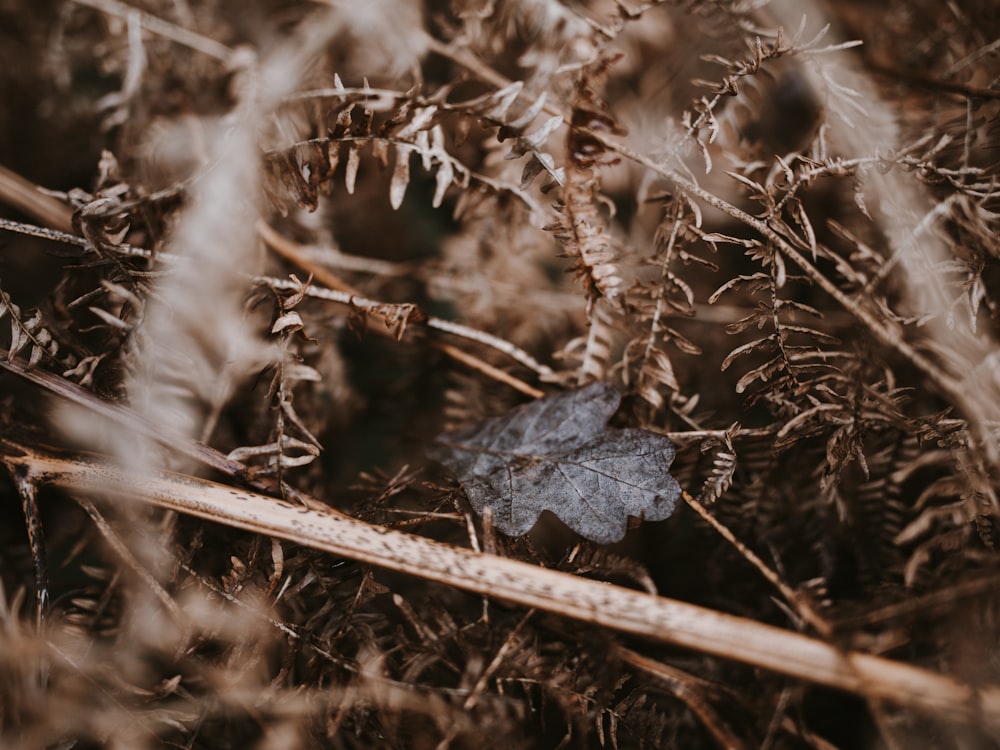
column 559, row 454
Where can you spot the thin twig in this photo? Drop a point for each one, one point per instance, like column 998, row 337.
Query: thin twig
column 292, row 252
column 501, row 376
column 802, row 607
column 455, row 329
column 934, row 84
column 162, row 28
column 126, row 556
column 124, row 417
column 687, row 689
column 56, row 235
column 509, row 644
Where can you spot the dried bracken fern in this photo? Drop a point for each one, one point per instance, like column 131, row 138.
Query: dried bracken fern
column 775, row 236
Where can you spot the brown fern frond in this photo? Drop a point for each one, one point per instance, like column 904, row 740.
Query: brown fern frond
column 783, row 252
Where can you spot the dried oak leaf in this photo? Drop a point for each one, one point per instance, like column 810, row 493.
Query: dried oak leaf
column 559, row 454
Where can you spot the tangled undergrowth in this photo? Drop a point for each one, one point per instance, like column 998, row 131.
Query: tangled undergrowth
column 284, row 246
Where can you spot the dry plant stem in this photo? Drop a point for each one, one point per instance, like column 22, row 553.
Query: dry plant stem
column 510, row 642
column 684, row 688
column 46, row 234
column 126, row 556
column 599, row 603
column 696, row 436
column 470, row 61
column 803, row 608
column 935, row 84
column 342, row 293
column 125, row 418
column 926, row 604
column 487, row 369
column 71, row 239
column 165, row 29
column 292, row 252
column 438, row 324
column 544, row 372
column 26, row 196
column 36, row 540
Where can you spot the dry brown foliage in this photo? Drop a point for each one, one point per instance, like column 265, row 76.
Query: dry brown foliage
column 282, row 246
